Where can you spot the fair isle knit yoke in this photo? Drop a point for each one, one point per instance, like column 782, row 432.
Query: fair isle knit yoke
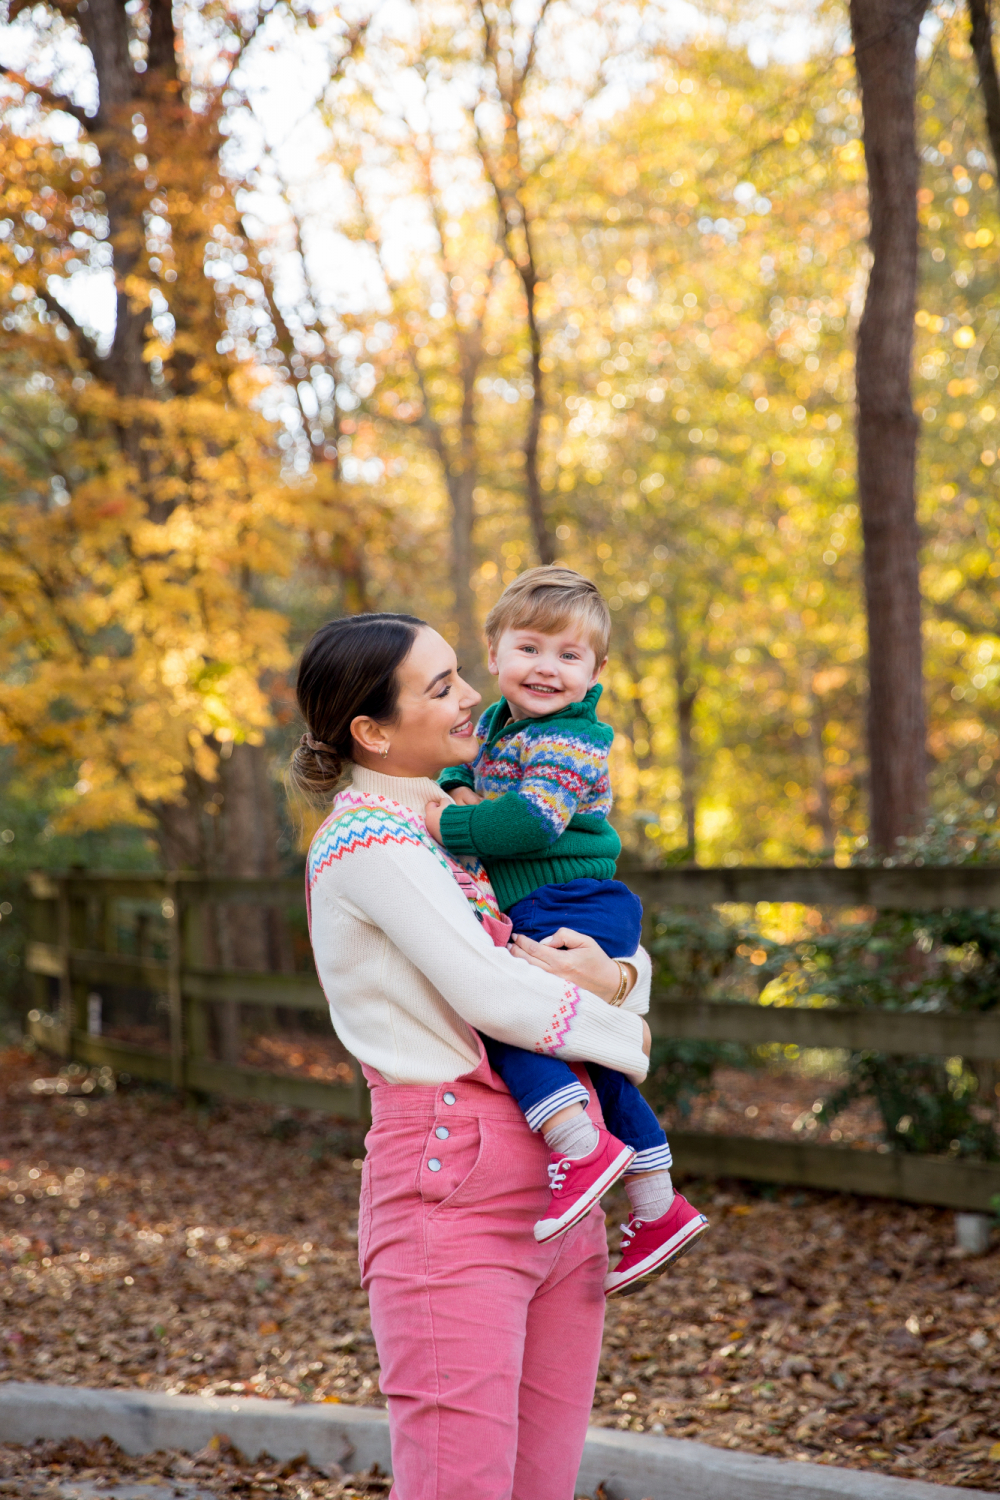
column 409, row 973
column 361, row 820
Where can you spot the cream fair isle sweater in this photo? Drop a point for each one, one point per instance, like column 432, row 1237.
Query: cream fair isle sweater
column 408, row 970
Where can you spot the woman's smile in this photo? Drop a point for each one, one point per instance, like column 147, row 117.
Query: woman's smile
column 464, row 729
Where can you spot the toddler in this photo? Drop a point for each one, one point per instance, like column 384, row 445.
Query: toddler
column 534, row 808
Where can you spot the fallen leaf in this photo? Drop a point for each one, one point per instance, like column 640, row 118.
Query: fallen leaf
column 806, row 1292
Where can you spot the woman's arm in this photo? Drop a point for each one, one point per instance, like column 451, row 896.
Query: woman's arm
column 401, row 888
column 637, row 999
column 580, row 960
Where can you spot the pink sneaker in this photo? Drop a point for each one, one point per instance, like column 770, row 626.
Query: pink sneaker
column 577, row 1185
column 647, row 1249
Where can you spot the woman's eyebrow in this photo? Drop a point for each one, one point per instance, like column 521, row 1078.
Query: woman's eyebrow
column 435, row 680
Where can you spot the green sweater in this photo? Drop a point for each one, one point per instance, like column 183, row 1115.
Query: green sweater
column 547, row 795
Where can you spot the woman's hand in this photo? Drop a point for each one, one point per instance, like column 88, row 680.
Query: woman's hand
column 464, row 796
column 576, row 959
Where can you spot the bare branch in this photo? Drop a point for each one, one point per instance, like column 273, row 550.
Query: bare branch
column 84, row 344
column 47, row 97
column 522, row 75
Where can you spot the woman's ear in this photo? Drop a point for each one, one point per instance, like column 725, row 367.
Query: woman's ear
column 369, row 735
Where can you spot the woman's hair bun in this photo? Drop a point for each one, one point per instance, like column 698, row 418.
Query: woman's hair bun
column 316, row 769
column 348, row 671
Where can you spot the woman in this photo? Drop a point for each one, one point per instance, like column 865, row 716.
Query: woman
column 488, row 1342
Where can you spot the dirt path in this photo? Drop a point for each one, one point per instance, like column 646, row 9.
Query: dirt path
column 147, row 1244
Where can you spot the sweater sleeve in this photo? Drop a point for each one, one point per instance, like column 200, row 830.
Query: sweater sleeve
column 454, row 776
column 557, row 773
column 405, row 891
column 637, row 999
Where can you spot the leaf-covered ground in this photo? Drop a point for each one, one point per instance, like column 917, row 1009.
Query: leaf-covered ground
column 73, row 1470
column 145, row 1243
column 779, row 1106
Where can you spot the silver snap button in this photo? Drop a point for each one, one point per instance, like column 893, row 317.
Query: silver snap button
column 442, row 1132
column 434, row 1164
column 449, row 1098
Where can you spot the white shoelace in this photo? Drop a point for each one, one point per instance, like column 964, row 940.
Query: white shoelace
column 628, row 1230
column 558, row 1171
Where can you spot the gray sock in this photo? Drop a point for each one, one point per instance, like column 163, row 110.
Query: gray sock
column 650, row 1197
column 573, row 1138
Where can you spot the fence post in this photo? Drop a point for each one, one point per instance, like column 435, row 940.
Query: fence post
column 172, row 912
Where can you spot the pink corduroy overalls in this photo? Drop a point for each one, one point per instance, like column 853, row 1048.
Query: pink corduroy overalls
column 488, row 1342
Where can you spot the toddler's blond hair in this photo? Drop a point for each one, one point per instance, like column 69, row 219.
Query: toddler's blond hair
column 547, row 599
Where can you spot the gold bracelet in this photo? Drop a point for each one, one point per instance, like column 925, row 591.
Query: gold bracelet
column 622, row 989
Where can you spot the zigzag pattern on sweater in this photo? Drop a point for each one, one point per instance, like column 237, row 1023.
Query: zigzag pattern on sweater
column 365, row 820
column 561, row 1022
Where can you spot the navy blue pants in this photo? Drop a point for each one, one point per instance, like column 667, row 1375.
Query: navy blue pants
column 607, row 911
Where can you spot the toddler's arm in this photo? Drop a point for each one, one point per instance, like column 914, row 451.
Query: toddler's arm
column 457, row 776
column 528, row 820
column 433, row 810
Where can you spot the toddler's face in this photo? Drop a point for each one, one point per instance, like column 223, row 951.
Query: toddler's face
column 539, row 674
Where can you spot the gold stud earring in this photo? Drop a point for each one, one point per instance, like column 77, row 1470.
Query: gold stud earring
column 384, row 750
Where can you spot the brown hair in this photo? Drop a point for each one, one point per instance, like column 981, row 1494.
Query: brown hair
column 546, row 599
column 347, row 670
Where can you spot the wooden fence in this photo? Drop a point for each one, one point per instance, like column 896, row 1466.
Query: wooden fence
column 72, row 950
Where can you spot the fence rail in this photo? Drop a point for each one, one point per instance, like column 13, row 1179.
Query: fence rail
column 67, row 911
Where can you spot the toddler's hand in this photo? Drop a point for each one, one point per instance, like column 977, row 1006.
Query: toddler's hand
column 432, row 817
column 464, row 796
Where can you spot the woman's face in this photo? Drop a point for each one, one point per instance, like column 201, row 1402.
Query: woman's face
column 434, row 727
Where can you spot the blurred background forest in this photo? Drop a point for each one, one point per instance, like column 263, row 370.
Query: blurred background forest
column 305, row 311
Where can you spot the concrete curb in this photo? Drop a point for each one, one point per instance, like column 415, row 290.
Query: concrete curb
column 631, row 1466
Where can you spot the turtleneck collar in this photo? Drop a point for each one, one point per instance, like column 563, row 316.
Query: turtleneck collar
column 413, row 792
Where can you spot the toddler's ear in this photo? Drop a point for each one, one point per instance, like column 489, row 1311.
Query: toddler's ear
column 599, row 668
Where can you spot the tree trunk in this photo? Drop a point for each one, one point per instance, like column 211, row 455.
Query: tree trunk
column 824, row 812
column 468, row 642
column 981, row 28
column 249, row 937
column 105, row 28
column 240, row 840
column 544, row 540
column 507, row 175
column 687, row 761
column 885, row 37
column 181, row 829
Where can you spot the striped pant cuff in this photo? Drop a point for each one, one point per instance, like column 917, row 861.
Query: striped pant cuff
column 573, row 1093
column 655, row 1159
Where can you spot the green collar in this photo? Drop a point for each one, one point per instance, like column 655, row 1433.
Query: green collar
column 586, row 709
